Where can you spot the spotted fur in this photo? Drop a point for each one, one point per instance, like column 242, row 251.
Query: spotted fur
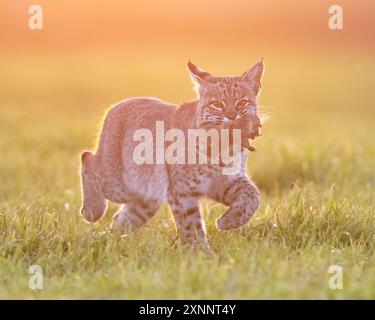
column 111, row 174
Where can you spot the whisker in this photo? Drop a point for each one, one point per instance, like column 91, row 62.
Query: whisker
column 267, row 108
column 246, row 112
column 264, row 119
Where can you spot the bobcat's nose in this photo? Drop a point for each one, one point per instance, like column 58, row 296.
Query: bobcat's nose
column 231, row 115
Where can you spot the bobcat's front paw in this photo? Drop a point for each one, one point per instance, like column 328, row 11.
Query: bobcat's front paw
column 234, row 218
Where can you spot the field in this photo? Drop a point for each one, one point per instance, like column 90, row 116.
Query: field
column 315, row 166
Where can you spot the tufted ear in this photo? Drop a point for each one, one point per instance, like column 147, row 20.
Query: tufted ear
column 254, row 76
column 197, row 75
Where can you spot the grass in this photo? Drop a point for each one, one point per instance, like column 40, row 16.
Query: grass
column 315, row 166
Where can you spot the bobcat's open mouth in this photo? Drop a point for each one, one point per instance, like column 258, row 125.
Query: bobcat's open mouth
column 247, row 141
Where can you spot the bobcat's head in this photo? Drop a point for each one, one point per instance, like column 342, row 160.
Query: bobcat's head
column 228, row 102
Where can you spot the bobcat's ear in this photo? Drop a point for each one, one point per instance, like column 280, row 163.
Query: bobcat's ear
column 197, row 75
column 254, row 76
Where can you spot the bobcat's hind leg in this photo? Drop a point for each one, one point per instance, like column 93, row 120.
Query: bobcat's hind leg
column 94, row 204
column 133, row 215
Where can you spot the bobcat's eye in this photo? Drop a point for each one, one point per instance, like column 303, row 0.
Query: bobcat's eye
column 240, row 105
column 217, row 105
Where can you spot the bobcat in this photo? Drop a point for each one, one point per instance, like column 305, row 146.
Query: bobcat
column 111, row 173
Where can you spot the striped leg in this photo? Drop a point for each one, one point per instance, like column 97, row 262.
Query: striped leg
column 242, row 196
column 133, row 215
column 189, row 222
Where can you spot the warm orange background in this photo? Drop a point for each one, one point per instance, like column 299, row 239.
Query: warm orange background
column 93, row 23
column 91, row 54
